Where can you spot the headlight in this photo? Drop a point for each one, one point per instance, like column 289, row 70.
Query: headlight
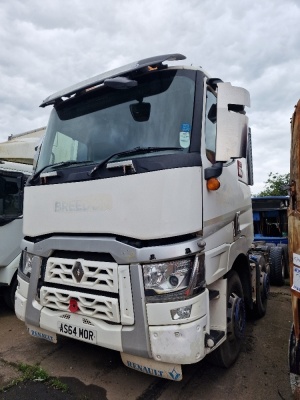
column 26, row 263
column 174, row 280
column 167, row 276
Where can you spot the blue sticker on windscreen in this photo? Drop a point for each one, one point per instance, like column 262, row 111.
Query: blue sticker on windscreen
column 185, row 128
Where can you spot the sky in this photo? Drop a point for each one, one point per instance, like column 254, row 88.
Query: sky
column 51, row 44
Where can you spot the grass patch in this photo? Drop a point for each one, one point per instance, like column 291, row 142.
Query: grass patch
column 57, row 384
column 32, row 373
column 37, row 374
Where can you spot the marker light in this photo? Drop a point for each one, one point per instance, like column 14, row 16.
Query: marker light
column 213, row 184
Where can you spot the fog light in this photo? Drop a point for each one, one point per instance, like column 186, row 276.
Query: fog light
column 181, row 313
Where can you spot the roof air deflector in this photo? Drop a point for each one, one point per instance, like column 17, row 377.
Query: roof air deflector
column 121, row 71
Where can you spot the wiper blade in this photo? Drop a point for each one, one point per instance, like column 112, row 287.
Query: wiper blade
column 136, row 150
column 57, row 165
column 150, row 149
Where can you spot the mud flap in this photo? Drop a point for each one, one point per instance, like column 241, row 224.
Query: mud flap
column 152, row 367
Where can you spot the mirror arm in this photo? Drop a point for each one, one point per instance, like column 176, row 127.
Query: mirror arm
column 214, row 171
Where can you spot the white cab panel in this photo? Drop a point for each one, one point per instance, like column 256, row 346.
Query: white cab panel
column 144, row 206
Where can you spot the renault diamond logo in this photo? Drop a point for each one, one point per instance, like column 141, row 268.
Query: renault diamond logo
column 77, row 271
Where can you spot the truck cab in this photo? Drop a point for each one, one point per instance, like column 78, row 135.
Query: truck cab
column 16, row 165
column 143, row 242
column 270, row 222
column 270, row 218
column 12, row 181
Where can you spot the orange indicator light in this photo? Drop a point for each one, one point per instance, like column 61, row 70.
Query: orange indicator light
column 213, row 184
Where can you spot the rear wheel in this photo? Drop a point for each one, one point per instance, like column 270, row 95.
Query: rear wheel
column 277, row 269
column 226, row 354
column 286, row 259
column 262, row 288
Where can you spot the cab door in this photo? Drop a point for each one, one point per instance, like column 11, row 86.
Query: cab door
column 227, row 212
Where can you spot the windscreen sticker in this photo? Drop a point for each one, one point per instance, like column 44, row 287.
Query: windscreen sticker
column 185, row 135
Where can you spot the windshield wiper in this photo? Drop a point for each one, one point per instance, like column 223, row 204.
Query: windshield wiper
column 136, row 150
column 57, row 165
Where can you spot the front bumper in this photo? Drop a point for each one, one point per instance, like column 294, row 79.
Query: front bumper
column 179, row 342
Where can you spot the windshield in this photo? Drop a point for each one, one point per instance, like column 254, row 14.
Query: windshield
column 158, row 112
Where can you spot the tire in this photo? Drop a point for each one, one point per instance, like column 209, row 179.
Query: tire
column 262, row 289
column 227, row 353
column 286, row 259
column 9, row 296
column 277, row 269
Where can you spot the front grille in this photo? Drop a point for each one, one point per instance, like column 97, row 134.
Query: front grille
column 89, row 305
column 97, row 275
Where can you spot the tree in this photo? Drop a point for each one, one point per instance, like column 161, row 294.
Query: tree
column 276, row 185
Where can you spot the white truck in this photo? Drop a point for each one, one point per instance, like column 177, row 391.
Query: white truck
column 138, row 221
column 16, row 159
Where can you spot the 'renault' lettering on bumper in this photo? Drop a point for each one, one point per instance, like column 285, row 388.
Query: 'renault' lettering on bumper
column 146, row 370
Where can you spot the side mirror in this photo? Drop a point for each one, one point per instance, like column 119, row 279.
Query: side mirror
column 232, row 123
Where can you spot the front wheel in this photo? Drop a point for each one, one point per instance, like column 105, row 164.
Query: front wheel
column 226, row 354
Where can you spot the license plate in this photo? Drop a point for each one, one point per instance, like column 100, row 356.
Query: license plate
column 73, row 331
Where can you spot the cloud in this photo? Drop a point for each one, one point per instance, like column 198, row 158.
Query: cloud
column 49, row 45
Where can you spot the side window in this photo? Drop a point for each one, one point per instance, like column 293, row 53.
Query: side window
column 10, row 192
column 210, row 125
